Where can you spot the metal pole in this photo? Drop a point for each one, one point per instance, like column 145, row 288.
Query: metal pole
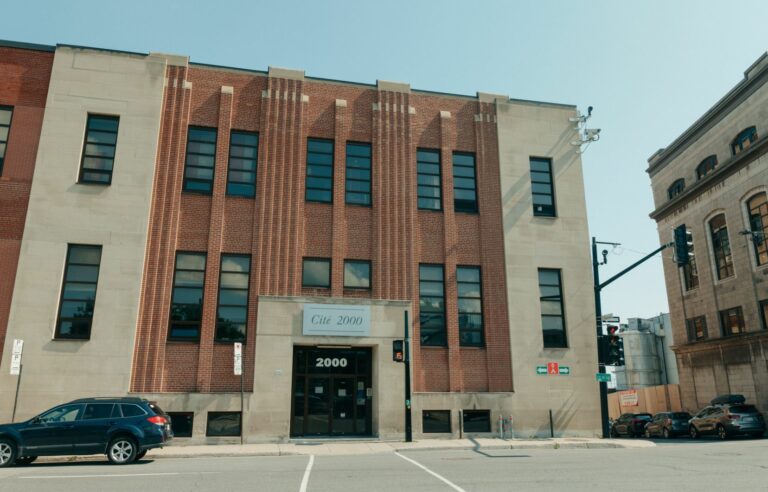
column 242, row 404
column 407, row 361
column 16, row 398
column 551, row 424
column 600, row 355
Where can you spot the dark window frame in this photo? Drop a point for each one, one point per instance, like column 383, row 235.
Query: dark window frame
column 191, row 415
column 317, row 259
column 198, row 323
column 561, row 300
column 59, row 319
column 721, row 247
column 706, row 166
column 693, row 325
column 424, row 416
column 217, row 414
column 476, row 413
column 690, row 270
column 676, row 188
column 535, row 180
column 370, row 274
column 459, row 297
column 255, row 160
column 187, row 180
column 83, row 170
column 8, row 136
column 219, row 322
column 439, row 299
column 758, row 224
column 330, row 178
column 475, row 208
column 438, row 187
column 347, row 179
column 762, row 306
column 746, row 136
column 729, row 314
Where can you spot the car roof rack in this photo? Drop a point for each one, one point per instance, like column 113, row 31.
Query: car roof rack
column 131, row 399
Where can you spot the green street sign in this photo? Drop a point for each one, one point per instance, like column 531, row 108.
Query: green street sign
column 603, row 378
column 542, row 370
column 564, row 370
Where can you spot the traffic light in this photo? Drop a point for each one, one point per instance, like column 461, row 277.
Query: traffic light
column 683, row 245
column 614, row 352
column 397, row 351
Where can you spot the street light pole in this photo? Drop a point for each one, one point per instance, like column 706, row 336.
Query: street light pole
column 407, row 361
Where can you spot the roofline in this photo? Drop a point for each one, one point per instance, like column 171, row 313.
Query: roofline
column 4, row 43
column 740, row 91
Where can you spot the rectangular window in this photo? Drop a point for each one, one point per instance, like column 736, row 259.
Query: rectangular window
column 99, row 149
column 697, row 328
column 6, row 113
column 470, row 306
column 432, row 305
column 201, row 159
column 436, row 421
column 429, row 189
column 721, row 246
column 358, row 179
column 243, row 157
column 732, row 321
column 690, row 272
column 181, row 423
column 223, row 424
column 357, row 274
column 232, row 311
column 316, row 272
column 476, row 420
column 319, row 170
column 764, row 313
column 542, row 187
column 758, row 224
column 78, row 295
column 464, row 182
column 552, row 313
column 187, row 298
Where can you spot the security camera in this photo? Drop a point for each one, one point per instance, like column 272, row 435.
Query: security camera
column 605, row 256
column 589, row 111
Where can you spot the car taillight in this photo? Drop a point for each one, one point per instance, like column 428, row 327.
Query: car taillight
column 158, row 420
column 734, row 416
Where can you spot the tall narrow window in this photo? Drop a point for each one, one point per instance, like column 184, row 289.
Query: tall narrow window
column 697, row 328
column 690, row 272
column 743, row 140
column 187, row 299
column 432, row 305
column 243, row 155
column 764, row 313
column 542, row 187
column 201, row 159
column 732, row 321
column 758, row 224
column 676, row 188
column 319, row 170
column 6, row 114
column 721, row 247
column 470, row 306
column 706, row 166
column 358, row 178
column 429, row 190
column 552, row 316
column 99, row 149
column 464, row 182
column 232, row 312
column 78, row 295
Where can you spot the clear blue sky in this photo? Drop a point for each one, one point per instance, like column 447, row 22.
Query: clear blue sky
column 650, row 69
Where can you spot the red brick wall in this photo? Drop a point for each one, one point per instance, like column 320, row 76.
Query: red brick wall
column 24, row 79
column 278, row 228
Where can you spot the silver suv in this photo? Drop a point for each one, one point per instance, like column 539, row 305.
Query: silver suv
column 728, row 420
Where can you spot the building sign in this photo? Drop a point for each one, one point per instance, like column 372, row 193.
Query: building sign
column 18, row 347
column 628, row 398
column 553, row 368
column 238, row 359
column 337, row 320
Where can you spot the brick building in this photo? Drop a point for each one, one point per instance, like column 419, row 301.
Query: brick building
column 179, row 208
column 713, row 179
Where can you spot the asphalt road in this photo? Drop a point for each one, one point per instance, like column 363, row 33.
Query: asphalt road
column 739, row 465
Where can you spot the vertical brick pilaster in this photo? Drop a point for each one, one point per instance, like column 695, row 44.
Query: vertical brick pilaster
column 339, row 234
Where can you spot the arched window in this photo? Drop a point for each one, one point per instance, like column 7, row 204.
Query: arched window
column 706, row 166
column 743, row 140
column 758, row 224
column 677, row 187
column 721, row 246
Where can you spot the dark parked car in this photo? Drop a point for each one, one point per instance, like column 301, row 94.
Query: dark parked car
column 630, row 424
column 122, row 428
column 728, row 420
column 668, row 424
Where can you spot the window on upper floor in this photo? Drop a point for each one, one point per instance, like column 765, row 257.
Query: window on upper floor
column 429, row 186
column 187, row 297
column 78, row 296
column 697, row 328
column 232, row 311
column 764, row 313
column 358, row 177
column 200, row 160
column 757, row 207
column 542, row 187
column 676, row 188
column 99, row 149
column 706, row 166
column 552, row 312
column 721, row 246
column 6, row 114
column 743, row 140
column 316, row 272
column 464, row 182
column 470, row 297
column 432, row 305
column 732, row 321
column 357, row 274
column 690, row 271
column 243, row 157
column 319, row 183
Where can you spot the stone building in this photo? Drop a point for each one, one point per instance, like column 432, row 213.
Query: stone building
column 649, row 358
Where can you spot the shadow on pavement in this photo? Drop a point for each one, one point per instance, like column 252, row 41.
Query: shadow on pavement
column 477, row 449
column 105, row 462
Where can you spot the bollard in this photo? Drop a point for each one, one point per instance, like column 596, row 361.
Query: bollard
column 501, row 427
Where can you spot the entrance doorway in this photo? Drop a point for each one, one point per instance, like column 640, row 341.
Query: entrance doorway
column 331, row 392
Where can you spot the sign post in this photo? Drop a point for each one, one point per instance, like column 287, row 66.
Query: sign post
column 239, row 372
column 407, row 361
column 16, row 367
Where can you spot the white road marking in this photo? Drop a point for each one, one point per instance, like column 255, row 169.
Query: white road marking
column 440, row 477
column 305, row 479
column 118, row 475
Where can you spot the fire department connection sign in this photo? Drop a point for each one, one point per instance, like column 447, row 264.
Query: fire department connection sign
column 337, row 320
column 628, row 398
column 18, row 347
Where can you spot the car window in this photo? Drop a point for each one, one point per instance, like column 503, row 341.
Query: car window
column 116, row 413
column 743, row 409
column 681, row 415
column 66, row 413
column 97, row 411
column 155, row 408
column 130, row 410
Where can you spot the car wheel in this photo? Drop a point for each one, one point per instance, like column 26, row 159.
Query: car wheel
column 25, row 460
column 665, row 433
column 722, row 434
column 7, row 453
column 121, row 450
column 694, row 432
column 141, row 454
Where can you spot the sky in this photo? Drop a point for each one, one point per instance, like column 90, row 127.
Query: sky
column 649, row 68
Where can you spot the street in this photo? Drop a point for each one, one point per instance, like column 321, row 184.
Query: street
column 677, row 465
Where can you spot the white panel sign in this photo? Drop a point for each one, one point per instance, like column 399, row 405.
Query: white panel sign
column 238, row 359
column 18, row 347
column 337, row 320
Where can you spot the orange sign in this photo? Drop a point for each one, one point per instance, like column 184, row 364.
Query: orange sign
column 553, row 368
